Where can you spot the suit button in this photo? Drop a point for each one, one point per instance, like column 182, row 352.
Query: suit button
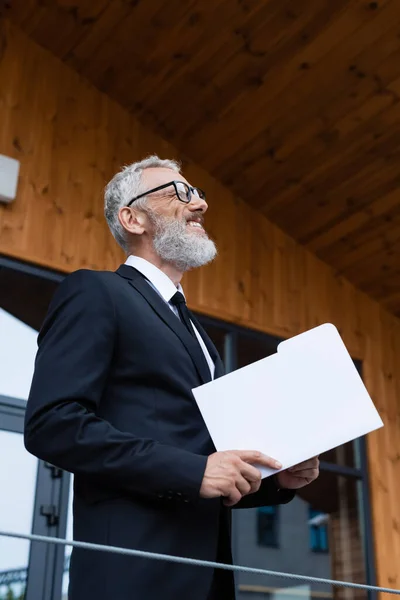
column 160, row 495
column 170, row 495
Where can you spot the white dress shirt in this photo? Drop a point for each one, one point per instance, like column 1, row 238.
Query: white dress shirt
column 165, row 287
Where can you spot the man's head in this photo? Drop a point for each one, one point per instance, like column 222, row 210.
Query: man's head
column 154, row 212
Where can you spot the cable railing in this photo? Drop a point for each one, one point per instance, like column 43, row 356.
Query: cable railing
column 197, row 562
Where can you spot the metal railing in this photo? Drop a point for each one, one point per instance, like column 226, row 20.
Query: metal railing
column 200, row 563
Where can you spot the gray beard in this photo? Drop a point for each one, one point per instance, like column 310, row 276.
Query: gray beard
column 176, row 246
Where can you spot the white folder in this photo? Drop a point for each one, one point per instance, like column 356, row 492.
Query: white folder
column 293, row 405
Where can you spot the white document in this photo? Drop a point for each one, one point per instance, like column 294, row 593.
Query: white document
column 296, row 404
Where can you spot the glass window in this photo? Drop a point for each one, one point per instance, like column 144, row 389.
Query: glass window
column 251, row 348
column 17, row 286
column 345, row 456
column 318, row 527
column 23, row 303
column 337, row 535
column 17, row 484
column 267, row 526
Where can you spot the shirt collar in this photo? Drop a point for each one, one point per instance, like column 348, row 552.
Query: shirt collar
column 162, row 283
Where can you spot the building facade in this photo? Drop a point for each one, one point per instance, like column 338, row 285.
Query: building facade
column 70, row 139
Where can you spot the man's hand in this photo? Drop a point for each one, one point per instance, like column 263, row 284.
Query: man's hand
column 300, row 475
column 230, row 474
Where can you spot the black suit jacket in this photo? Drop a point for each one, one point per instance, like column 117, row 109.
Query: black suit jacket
column 111, row 402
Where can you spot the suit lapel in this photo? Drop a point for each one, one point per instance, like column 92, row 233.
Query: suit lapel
column 138, row 281
column 219, row 367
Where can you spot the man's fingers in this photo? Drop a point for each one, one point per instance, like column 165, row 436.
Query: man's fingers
column 252, row 476
column 254, row 457
column 255, row 486
column 249, row 472
column 233, row 498
column 312, row 463
column 243, row 486
column 305, row 473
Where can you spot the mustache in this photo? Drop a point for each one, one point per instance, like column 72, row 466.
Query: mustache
column 199, row 218
column 160, row 221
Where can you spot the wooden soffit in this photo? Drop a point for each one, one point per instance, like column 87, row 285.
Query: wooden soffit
column 294, row 105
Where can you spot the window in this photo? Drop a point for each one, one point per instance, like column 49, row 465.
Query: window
column 318, row 527
column 267, row 526
column 325, row 531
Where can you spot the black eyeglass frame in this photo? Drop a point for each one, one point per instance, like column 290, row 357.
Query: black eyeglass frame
column 190, row 190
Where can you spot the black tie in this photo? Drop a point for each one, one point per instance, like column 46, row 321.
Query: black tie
column 179, row 301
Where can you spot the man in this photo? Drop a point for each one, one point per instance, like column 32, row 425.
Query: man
column 111, row 402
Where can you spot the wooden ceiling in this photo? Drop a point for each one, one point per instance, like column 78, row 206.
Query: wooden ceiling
column 293, row 104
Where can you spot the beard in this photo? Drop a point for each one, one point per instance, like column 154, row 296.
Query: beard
column 174, row 244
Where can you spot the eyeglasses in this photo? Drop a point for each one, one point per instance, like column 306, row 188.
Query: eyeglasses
column 183, row 191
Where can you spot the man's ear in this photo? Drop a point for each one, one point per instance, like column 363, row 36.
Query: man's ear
column 133, row 221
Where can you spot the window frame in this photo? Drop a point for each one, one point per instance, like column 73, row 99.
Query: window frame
column 317, row 529
column 275, row 533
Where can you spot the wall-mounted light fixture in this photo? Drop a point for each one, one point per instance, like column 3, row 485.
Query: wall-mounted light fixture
column 9, row 169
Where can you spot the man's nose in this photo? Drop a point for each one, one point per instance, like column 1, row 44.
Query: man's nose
column 198, row 204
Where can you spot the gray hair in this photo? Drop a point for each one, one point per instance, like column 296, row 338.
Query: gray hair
column 124, row 186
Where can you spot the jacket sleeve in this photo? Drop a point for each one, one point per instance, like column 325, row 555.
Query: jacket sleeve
column 75, row 353
column 268, row 495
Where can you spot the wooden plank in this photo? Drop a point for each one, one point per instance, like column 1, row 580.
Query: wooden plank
column 382, row 204
column 381, row 139
column 183, row 64
column 287, row 152
column 23, row 129
column 220, row 223
column 143, row 27
column 98, row 37
column 391, row 302
column 354, row 195
column 255, row 72
column 260, row 43
column 391, row 433
column 262, row 271
column 339, row 37
column 377, row 455
column 369, row 141
column 329, row 137
column 387, row 284
column 22, row 11
column 156, row 45
column 388, row 294
column 383, row 263
column 361, row 257
column 383, row 228
column 64, row 23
